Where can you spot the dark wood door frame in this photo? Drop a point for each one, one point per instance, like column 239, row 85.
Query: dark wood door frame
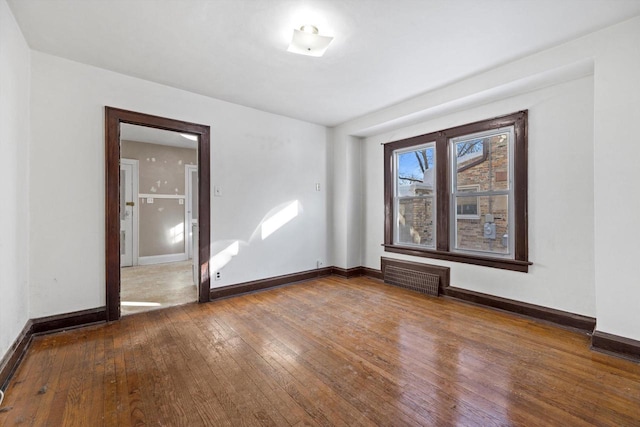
column 113, row 118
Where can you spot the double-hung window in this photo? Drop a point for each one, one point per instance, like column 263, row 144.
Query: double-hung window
column 460, row 194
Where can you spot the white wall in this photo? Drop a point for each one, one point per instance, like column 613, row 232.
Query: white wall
column 347, row 201
column 617, row 176
column 259, row 160
column 560, row 199
column 14, row 146
column 596, row 246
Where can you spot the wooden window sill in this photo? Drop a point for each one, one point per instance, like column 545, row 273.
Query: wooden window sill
column 505, row 264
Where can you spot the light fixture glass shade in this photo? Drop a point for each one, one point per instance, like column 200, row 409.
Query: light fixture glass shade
column 306, row 43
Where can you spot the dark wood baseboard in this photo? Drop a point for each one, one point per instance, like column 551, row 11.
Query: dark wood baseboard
column 271, row 282
column 561, row 318
column 287, row 279
column 356, row 271
column 616, row 345
column 41, row 326
column 347, row 272
column 12, row 359
column 59, row 322
column 370, row 272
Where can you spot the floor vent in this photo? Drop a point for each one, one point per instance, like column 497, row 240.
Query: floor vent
column 424, row 278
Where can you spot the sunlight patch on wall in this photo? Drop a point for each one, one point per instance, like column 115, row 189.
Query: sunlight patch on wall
column 279, row 219
column 223, row 257
column 176, row 234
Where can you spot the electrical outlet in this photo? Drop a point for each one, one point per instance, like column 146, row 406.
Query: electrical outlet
column 319, row 263
column 218, row 276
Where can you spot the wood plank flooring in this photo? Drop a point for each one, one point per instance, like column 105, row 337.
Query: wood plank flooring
column 328, row 352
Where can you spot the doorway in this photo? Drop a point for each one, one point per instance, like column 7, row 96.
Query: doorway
column 121, row 190
column 156, row 260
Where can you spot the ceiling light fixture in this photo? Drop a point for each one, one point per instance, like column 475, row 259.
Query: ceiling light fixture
column 308, row 41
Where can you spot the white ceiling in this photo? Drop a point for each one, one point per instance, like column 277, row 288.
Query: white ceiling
column 384, row 51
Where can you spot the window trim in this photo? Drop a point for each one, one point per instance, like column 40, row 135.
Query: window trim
column 520, row 261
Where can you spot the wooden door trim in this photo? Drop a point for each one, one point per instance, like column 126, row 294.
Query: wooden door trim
column 113, row 118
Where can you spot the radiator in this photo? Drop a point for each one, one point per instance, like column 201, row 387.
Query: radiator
column 414, row 280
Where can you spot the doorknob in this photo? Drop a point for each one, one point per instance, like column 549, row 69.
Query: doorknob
column 130, row 204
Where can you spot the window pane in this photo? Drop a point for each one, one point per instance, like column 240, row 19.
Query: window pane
column 488, row 231
column 162, row 231
column 483, row 162
column 416, row 225
column 416, row 175
column 467, row 206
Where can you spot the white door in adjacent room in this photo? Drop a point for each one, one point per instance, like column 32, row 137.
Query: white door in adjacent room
column 191, row 206
column 128, row 212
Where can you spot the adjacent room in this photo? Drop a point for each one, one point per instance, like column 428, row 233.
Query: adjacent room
column 158, row 221
column 243, row 212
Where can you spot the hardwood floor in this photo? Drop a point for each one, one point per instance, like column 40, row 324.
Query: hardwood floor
column 325, row 352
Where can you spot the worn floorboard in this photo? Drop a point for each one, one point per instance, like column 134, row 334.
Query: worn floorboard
column 326, row 352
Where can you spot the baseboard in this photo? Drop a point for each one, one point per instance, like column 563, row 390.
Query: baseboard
column 41, row 326
column 59, row 322
column 370, row 272
column 347, row 272
column 271, row 282
column 616, row 345
column 161, row 259
column 12, row 359
column 561, row 318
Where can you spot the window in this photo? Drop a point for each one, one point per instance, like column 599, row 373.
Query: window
column 460, row 194
column 467, row 206
column 415, row 196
